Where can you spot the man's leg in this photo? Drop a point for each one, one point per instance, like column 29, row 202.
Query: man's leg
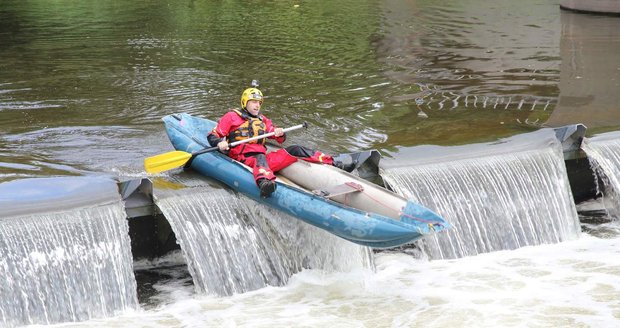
column 263, row 175
column 280, row 159
column 313, row 156
column 309, row 155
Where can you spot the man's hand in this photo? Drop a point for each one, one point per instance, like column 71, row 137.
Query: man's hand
column 223, row 145
column 278, row 132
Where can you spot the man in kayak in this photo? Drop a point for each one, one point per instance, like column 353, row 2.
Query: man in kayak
column 246, row 123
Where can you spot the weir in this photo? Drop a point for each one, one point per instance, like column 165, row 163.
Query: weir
column 231, row 255
column 497, row 196
column 604, row 153
column 65, row 257
column 67, row 243
column 234, row 245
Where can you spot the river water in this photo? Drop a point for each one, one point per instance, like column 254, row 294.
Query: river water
column 83, row 86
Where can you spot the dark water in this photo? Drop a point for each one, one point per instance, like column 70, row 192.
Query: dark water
column 83, row 85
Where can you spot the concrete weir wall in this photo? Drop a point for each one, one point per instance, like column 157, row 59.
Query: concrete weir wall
column 603, row 7
column 150, row 232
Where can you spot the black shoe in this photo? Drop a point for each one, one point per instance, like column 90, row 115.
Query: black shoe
column 267, row 187
column 349, row 167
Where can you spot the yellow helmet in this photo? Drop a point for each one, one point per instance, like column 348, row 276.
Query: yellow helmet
column 251, row 94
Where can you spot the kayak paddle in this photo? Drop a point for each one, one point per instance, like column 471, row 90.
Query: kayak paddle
column 174, row 159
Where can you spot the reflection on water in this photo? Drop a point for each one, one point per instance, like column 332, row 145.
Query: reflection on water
column 364, row 74
column 590, row 73
column 472, row 47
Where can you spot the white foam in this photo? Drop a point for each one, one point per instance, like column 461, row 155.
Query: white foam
column 574, row 283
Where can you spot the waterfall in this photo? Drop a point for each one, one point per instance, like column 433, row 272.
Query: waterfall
column 64, row 266
column 233, row 244
column 497, row 196
column 604, row 154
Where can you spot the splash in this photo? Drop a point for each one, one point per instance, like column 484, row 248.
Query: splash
column 65, row 266
column 234, row 245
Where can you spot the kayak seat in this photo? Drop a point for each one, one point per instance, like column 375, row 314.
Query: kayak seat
column 338, row 190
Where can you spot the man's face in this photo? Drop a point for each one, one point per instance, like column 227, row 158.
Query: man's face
column 253, row 107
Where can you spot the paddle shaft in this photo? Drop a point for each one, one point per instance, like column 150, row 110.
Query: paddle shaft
column 170, row 160
column 266, row 135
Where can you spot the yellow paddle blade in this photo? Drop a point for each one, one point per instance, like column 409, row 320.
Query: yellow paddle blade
column 167, row 161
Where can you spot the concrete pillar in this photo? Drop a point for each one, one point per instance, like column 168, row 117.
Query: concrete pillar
column 606, row 7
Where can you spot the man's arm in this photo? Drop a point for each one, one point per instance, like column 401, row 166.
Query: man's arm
column 280, row 136
column 220, row 131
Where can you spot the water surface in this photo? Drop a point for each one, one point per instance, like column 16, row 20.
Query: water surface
column 83, row 85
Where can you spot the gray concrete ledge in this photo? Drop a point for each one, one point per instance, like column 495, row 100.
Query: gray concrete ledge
column 599, row 7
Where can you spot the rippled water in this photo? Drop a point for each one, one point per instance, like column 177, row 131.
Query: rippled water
column 83, row 85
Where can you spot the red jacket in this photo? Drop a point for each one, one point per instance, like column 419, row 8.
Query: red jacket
column 230, row 122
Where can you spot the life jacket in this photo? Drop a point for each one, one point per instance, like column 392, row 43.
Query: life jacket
column 253, row 126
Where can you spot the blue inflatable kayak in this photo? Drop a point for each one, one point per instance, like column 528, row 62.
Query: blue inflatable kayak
column 189, row 133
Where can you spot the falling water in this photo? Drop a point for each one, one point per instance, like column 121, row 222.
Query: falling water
column 233, row 244
column 604, row 154
column 495, row 200
column 65, row 266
